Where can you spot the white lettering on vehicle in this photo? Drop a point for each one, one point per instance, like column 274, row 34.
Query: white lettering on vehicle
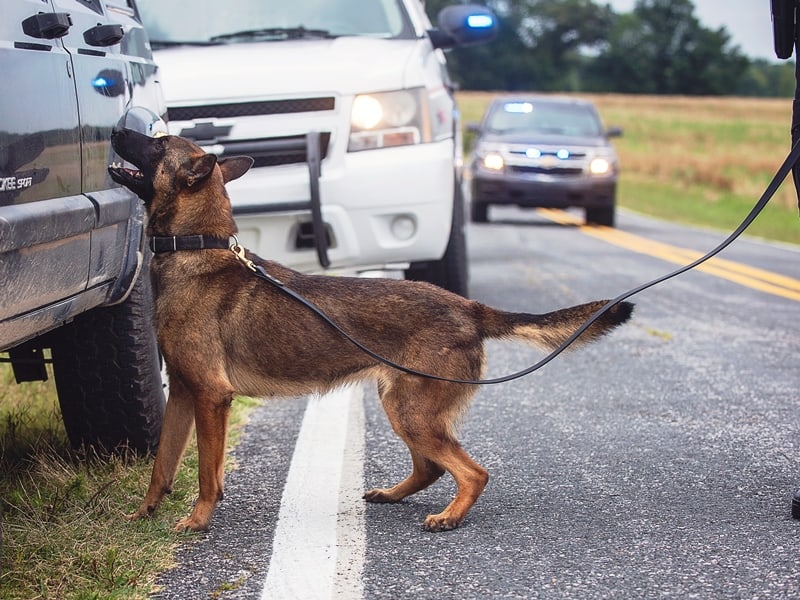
column 10, row 184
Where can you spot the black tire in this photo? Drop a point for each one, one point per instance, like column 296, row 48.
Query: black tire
column 605, row 215
column 108, row 376
column 479, row 212
column 450, row 272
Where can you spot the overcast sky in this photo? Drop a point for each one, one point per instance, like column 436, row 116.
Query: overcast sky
column 748, row 22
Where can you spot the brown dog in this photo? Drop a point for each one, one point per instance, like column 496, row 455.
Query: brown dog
column 222, row 332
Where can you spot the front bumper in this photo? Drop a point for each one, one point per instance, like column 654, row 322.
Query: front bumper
column 378, row 208
column 546, row 191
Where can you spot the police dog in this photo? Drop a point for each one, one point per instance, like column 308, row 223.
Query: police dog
column 223, row 331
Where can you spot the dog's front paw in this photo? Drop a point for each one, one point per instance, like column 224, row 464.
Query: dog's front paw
column 145, row 512
column 440, row 522
column 381, row 496
column 188, row 524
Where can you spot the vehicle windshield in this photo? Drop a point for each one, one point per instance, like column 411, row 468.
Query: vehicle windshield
column 554, row 118
column 202, row 22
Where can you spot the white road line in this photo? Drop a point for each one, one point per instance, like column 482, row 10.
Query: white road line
column 318, row 551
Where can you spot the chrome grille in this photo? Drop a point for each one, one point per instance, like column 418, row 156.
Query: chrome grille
column 250, row 109
column 546, row 171
column 270, row 152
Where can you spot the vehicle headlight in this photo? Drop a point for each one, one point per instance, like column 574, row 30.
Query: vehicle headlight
column 600, row 166
column 493, row 161
column 367, row 112
column 399, row 118
column 488, row 156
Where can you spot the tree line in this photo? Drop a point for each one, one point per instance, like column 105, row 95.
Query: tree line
column 660, row 47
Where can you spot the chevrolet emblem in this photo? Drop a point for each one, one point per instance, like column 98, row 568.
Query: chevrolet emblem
column 206, row 131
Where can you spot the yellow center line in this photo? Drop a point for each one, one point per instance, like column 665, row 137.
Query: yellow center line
column 752, row 277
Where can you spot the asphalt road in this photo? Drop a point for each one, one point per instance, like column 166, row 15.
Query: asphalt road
column 659, row 462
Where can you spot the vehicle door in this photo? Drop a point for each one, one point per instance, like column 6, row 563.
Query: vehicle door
column 45, row 221
column 114, row 72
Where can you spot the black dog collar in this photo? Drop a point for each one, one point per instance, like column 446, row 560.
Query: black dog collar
column 159, row 244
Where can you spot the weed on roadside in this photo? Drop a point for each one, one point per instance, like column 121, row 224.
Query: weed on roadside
column 64, row 531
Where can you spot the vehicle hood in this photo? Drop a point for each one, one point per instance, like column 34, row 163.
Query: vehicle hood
column 533, row 139
column 345, row 65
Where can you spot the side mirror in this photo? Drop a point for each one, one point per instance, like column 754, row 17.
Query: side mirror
column 614, row 132
column 463, row 25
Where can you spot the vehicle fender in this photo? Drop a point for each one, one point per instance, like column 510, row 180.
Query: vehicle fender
column 134, row 258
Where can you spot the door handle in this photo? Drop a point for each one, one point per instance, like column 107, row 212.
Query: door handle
column 104, row 35
column 47, row 26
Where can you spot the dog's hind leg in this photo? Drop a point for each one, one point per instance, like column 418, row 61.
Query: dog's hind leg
column 424, row 473
column 470, row 478
column 423, row 415
column 396, row 397
column 212, row 408
column 175, row 432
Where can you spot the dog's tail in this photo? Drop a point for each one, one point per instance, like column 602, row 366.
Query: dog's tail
column 550, row 330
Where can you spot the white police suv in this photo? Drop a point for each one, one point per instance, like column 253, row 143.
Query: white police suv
column 348, row 111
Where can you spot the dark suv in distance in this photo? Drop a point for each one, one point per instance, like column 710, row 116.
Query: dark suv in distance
column 544, row 151
column 73, row 264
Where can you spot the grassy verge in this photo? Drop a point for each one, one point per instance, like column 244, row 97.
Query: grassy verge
column 64, row 535
column 702, row 161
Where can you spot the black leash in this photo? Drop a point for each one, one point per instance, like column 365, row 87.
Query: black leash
column 792, row 159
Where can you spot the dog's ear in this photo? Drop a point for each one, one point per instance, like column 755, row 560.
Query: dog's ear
column 201, row 168
column 234, row 167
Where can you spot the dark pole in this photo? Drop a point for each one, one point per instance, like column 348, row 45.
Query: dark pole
column 796, row 123
column 784, row 29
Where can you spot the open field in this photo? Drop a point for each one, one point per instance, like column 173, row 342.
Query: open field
column 703, row 161
column 696, row 160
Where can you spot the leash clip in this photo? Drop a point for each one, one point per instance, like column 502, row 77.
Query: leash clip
column 259, row 271
column 239, row 251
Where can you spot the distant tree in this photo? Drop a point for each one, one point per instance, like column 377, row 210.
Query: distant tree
column 539, row 45
column 559, row 33
column 660, row 47
column 622, row 66
column 504, row 64
column 764, row 78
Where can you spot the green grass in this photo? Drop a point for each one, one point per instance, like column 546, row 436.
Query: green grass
column 64, row 532
column 691, row 207
column 65, row 536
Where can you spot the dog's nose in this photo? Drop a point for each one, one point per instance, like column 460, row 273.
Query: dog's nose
column 116, row 134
